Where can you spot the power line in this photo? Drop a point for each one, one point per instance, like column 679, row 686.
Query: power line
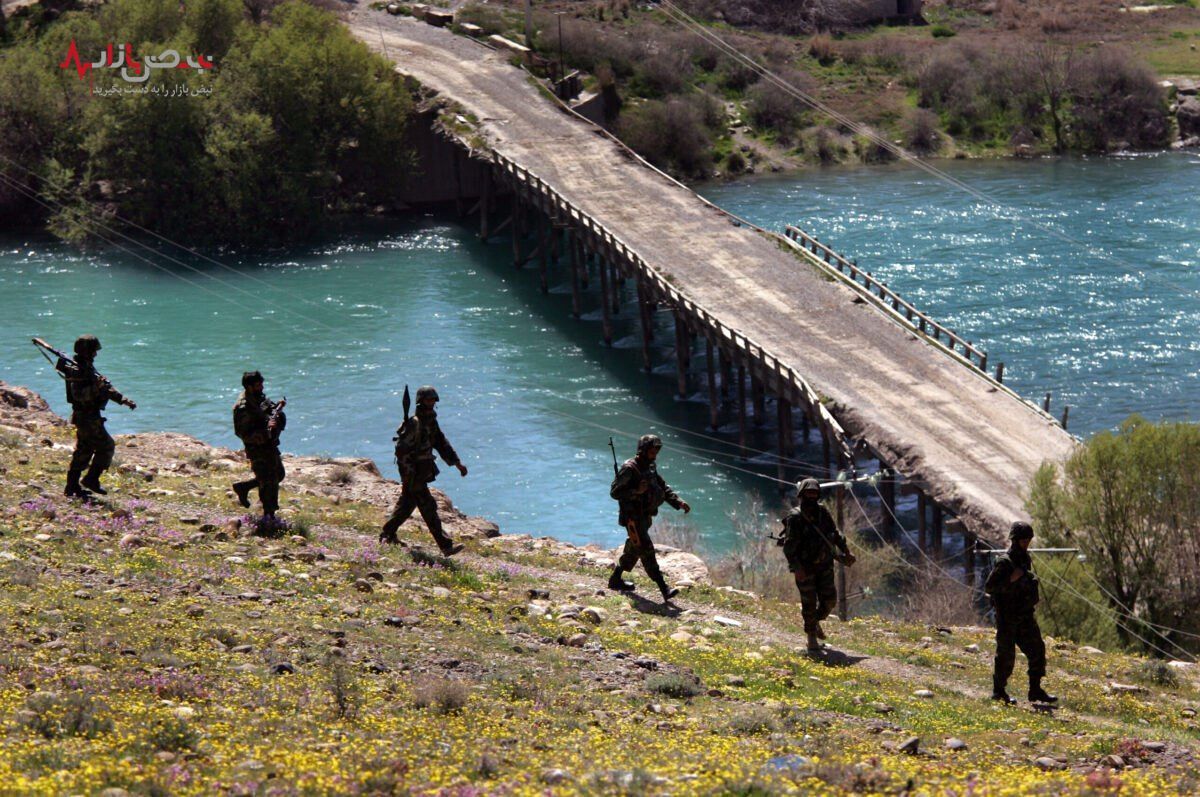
column 682, row 18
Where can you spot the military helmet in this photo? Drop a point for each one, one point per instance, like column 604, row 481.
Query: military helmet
column 251, row 377
column 648, row 441
column 1020, row 530
column 807, row 484
column 87, row 345
column 427, row 392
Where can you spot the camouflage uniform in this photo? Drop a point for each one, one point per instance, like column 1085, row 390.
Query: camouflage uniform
column 251, row 414
column 1016, row 626
column 88, row 393
column 812, row 543
column 416, row 440
column 640, row 491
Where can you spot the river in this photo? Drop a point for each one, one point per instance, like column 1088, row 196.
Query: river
column 530, row 395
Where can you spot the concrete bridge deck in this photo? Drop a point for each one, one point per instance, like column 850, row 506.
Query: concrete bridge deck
column 969, row 445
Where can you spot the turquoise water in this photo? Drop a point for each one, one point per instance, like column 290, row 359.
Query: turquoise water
column 1102, row 310
column 529, row 394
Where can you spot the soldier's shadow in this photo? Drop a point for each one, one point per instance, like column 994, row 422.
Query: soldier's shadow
column 830, row 657
column 646, row 606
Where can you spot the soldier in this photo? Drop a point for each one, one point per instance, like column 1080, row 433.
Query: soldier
column 416, row 440
column 812, row 543
column 1013, row 588
column 88, row 392
column 258, row 421
column 640, row 491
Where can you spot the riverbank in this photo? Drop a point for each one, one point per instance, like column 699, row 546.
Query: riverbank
column 155, row 646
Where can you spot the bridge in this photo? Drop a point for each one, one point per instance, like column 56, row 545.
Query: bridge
column 781, row 314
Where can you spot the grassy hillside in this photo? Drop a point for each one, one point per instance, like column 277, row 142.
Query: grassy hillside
column 154, row 647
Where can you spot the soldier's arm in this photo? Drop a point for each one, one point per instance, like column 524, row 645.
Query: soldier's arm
column 834, row 533
column 999, row 581
column 247, row 425
column 444, row 449
column 670, row 496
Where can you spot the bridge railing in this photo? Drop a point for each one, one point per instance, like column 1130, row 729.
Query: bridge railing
column 889, row 299
column 786, row 379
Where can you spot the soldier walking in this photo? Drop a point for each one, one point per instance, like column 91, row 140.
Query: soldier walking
column 88, row 393
column 1013, row 588
column 258, row 422
column 416, row 440
column 640, row 491
column 812, row 543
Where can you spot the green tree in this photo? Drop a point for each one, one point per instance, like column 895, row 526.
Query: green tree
column 1131, row 501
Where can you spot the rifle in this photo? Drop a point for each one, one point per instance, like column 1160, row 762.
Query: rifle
column 630, row 526
column 66, row 367
column 273, row 419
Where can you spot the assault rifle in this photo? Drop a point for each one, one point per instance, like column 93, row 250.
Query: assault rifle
column 67, row 368
column 273, row 419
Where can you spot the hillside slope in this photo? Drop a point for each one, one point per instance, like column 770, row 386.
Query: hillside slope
column 153, row 648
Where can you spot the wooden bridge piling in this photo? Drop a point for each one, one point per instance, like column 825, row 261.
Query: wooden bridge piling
column 887, row 493
column 741, row 389
column 605, row 317
column 760, row 400
column 714, row 399
column 921, row 522
column 937, row 527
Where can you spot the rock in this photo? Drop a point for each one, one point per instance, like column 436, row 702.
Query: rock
column 646, row 663
column 728, row 622
column 440, row 592
column 131, row 540
column 190, row 521
column 681, row 636
column 242, row 649
column 1091, row 651
column 882, row 708
column 539, row 594
column 923, row 693
column 250, row 596
column 911, row 745
column 594, row 615
column 735, row 680
column 1155, row 747
column 362, row 585
column 955, row 744
column 787, row 763
column 283, row 668
column 1113, row 761
column 184, row 712
column 554, row 777
column 971, row 648
column 1188, row 117
column 1125, row 688
column 1048, row 764
column 577, row 640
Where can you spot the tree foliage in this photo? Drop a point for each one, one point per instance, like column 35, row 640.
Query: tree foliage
column 1130, row 500
column 297, row 121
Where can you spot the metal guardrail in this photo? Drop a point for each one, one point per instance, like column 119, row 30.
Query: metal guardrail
column 732, row 338
column 914, row 317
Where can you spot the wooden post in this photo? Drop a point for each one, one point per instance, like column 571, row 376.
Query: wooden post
column 714, row 401
column 887, row 492
column 517, row 228
column 459, row 202
column 485, row 202
column 1000, row 373
column 741, row 388
column 573, row 254
column 682, row 349
column 969, row 543
column 843, row 607
column 760, row 400
column 787, row 446
column 1046, row 403
column 828, row 454
column 618, row 284
column 1066, row 412
column 543, row 254
column 644, row 311
column 921, row 541
column 804, row 426
column 937, row 532
column 726, row 373
column 605, row 319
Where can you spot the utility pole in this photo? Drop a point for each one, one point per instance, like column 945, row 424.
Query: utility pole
column 529, row 24
column 561, row 73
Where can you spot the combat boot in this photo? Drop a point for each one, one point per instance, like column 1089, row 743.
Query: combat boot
column 1037, row 694
column 820, row 632
column 242, row 491
column 450, row 548
column 667, row 592
column 814, row 644
column 73, row 489
column 92, row 480
column 615, row 582
column 1001, row 694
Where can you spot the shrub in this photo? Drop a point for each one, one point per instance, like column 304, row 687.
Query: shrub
column 940, row 31
column 674, row 685
column 443, row 695
column 920, row 131
column 774, row 107
column 56, row 716
column 490, row 18
column 752, row 721
column 822, row 48
column 1117, row 99
column 342, row 474
column 663, row 72
column 1159, row 673
column 173, row 734
column 11, row 439
column 735, row 163
column 670, row 134
column 345, row 693
column 736, row 76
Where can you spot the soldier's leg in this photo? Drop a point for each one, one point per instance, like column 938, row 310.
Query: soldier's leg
column 826, row 598
column 1034, row 647
column 104, row 447
column 266, row 473
column 406, row 504
column 626, row 562
column 80, row 457
column 649, row 559
column 1006, row 654
column 429, row 513
column 242, row 491
column 809, row 603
